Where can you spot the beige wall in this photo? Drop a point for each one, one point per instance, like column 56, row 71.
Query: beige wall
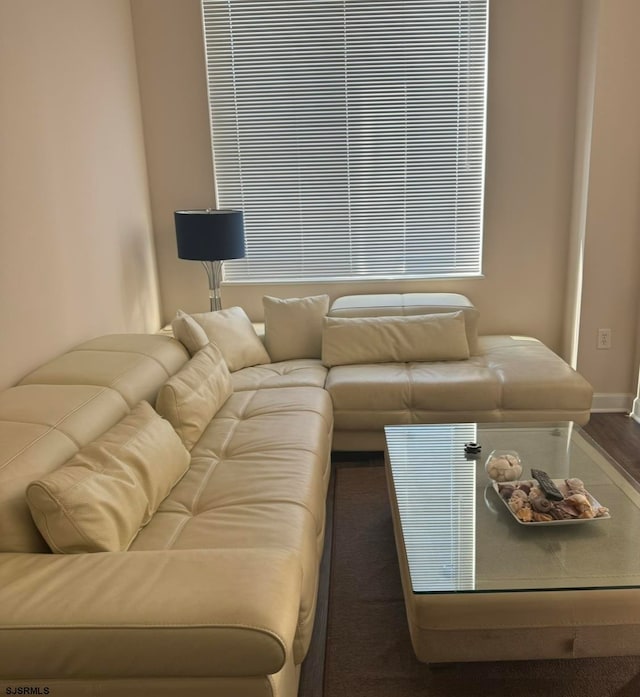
column 76, row 245
column 611, row 288
column 173, row 90
column 531, row 109
column 582, row 160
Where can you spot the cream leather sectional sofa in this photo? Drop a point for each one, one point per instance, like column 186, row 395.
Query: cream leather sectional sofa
column 504, row 378
column 205, row 518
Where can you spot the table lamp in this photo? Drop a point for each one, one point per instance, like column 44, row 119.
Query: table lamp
column 210, row 236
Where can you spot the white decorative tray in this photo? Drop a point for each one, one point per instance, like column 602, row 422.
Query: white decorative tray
column 600, row 512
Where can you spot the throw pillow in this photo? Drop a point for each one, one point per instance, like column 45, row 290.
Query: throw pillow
column 439, row 337
column 100, row 498
column 293, row 326
column 401, row 304
column 231, row 330
column 191, row 398
column 189, row 332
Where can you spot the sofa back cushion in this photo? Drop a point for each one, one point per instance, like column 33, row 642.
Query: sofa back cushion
column 192, row 397
column 101, row 497
column 439, row 337
column 293, row 326
column 232, row 332
column 135, row 365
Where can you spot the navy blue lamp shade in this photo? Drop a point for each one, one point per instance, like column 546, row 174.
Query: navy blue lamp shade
column 210, row 236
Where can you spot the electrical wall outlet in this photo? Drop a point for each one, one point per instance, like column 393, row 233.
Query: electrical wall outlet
column 604, row 339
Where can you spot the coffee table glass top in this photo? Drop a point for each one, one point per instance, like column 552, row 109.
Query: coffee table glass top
column 460, row 537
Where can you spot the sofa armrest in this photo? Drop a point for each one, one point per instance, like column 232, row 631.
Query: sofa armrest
column 197, row 613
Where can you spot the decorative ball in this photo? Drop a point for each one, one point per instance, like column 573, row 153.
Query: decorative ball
column 503, row 466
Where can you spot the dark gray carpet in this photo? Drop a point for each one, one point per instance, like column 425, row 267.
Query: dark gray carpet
column 368, row 650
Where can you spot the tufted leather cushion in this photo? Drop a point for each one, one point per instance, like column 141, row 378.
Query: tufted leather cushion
column 303, row 372
column 258, row 479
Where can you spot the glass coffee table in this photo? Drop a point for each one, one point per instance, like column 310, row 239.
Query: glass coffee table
column 480, row 585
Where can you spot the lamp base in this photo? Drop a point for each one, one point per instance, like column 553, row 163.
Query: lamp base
column 214, row 275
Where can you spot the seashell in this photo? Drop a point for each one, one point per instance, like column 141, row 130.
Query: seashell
column 506, row 490
column 572, row 492
column 541, row 504
column 575, row 484
column 580, row 502
column 568, row 509
column 525, row 514
column 541, row 517
column 516, row 503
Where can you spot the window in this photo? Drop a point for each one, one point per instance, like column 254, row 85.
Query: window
column 351, row 134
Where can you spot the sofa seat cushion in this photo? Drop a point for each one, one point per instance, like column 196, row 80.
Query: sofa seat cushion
column 266, row 445
column 148, row 623
column 258, row 479
column 303, row 372
column 261, row 526
column 135, row 365
column 533, row 377
column 371, row 396
column 513, row 378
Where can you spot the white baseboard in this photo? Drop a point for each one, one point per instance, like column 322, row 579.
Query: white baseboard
column 612, row 402
column 635, row 411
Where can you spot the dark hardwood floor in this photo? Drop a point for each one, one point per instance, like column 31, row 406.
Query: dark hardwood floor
column 618, row 434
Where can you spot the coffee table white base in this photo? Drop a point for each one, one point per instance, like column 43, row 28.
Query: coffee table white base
column 521, row 625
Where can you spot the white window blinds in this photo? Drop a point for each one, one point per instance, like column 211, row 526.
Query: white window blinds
column 351, row 134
